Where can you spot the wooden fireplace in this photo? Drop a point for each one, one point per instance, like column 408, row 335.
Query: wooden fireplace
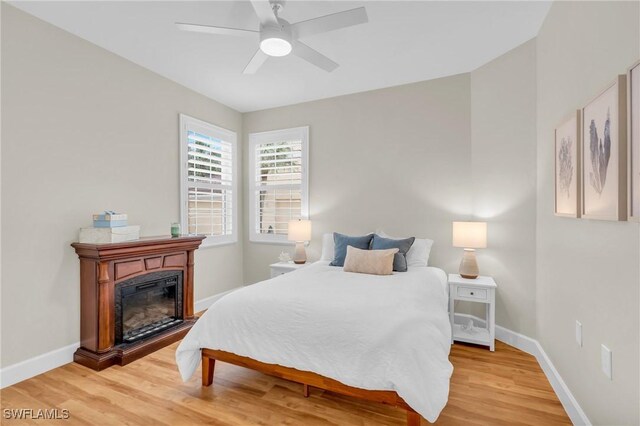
column 109, row 273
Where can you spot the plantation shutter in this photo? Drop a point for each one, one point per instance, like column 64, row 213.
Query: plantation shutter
column 209, row 186
column 279, row 179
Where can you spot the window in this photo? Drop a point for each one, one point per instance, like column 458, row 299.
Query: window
column 208, row 181
column 278, row 168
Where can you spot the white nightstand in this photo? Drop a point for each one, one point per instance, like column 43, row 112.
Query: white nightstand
column 482, row 290
column 284, row 267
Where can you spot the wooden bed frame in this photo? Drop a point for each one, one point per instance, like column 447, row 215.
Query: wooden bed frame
column 306, row 378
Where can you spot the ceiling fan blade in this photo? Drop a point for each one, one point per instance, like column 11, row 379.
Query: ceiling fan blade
column 313, row 56
column 210, row 29
column 264, row 10
column 331, row 22
column 256, row 62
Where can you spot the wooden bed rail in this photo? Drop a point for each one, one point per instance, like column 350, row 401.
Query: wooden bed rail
column 306, row 378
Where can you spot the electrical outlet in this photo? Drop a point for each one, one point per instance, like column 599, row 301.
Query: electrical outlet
column 606, row 358
column 579, row 333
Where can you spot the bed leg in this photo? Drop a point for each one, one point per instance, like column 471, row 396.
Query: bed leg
column 208, row 364
column 413, row 418
column 305, row 390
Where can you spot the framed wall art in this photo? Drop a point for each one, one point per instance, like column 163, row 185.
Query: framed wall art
column 633, row 134
column 567, row 167
column 604, row 154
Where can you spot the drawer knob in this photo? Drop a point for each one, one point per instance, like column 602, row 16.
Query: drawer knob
column 472, row 293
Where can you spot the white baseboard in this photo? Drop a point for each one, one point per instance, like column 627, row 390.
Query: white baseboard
column 37, row 365
column 42, row 363
column 533, row 347
column 575, row 412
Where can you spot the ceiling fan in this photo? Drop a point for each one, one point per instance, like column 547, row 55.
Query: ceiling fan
column 280, row 38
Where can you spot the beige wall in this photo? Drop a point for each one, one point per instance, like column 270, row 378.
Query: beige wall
column 587, row 270
column 503, row 164
column 396, row 159
column 84, row 130
column 0, row 189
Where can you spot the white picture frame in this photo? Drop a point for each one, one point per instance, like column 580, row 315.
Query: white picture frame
column 567, row 167
column 604, row 154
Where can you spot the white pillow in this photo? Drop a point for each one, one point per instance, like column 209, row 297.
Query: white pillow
column 328, row 247
column 418, row 254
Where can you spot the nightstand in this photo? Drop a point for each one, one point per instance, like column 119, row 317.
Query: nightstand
column 480, row 290
column 284, row 267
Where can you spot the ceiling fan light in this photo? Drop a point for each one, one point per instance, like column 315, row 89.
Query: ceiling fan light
column 275, row 46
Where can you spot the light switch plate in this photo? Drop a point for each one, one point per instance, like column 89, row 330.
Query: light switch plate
column 605, row 355
column 579, row 333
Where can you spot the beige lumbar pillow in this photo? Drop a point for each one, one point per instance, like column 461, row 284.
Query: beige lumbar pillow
column 375, row 262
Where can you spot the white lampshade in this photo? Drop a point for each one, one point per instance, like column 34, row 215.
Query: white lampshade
column 299, row 230
column 470, row 235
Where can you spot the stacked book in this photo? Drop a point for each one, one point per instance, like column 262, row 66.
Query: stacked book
column 109, row 219
column 109, row 227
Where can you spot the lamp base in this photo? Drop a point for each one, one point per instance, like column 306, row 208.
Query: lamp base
column 300, row 255
column 469, row 265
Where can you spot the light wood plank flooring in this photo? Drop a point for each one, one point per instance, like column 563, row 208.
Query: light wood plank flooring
column 506, row 387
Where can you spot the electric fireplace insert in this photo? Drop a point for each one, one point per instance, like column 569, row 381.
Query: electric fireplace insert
column 147, row 305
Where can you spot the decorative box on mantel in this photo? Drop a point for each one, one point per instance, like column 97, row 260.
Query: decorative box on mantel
column 109, row 235
column 135, row 297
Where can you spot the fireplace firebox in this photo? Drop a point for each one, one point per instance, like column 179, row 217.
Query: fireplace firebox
column 135, row 297
column 147, row 305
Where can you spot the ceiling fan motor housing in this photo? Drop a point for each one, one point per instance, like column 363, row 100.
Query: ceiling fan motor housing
column 275, row 40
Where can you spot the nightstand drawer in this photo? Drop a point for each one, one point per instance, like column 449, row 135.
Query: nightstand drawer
column 473, row 293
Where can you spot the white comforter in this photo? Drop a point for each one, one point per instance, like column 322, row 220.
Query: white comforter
column 370, row 332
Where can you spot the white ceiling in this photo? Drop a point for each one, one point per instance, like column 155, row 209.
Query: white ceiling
column 404, row 41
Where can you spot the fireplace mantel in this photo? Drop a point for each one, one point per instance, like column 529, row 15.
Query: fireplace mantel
column 102, row 267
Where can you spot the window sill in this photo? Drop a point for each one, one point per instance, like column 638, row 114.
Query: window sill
column 273, row 243
column 212, row 244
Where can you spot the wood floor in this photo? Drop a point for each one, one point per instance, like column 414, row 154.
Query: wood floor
column 506, row 387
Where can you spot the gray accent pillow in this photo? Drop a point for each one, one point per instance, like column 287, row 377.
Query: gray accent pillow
column 403, row 246
column 341, row 242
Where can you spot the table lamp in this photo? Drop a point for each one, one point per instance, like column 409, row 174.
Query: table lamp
column 300, row 232
column 469, row 236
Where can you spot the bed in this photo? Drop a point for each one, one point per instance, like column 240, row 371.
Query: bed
column 382, row 338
